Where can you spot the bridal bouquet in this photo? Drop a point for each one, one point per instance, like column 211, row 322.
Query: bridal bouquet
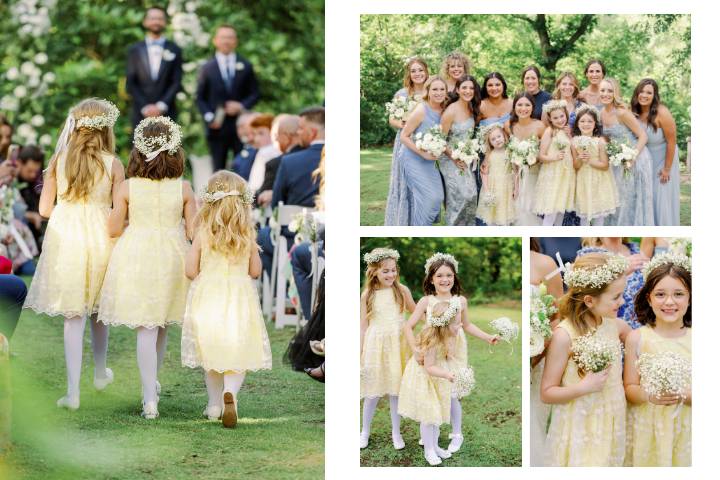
column 304, row 226
column 621, row 154
column 681, row 246
column 464, row 382
column 542, row 307
column 664, row 373
column 400, row 107
column 593, row 353
column 466, row 151
column 523, row 152
column 433, row 141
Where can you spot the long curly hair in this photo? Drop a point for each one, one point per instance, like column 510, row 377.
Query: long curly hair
column 407, row 79
column 227, row 223
column 475, row 102
column 644, row 311
column 372, row 285
column 654, row 105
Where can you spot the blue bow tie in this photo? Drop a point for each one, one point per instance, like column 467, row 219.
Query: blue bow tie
column 159, row 43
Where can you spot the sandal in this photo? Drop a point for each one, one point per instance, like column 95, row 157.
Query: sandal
column 319, row 379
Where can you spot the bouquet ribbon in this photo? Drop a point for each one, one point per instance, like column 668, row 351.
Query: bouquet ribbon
column 20, row 241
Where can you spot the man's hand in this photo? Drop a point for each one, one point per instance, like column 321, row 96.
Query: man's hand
column 264, row 198
column 233, row 108
column 151, row 110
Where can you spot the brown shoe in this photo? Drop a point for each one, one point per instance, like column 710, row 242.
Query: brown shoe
column 229, row 416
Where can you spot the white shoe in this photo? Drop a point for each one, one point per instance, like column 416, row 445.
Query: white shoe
column 150, row 411
column 158, row 388
column 71, row 403
column 444, row 454
column 364, row 437
column 101, row 383
column 456, row 441
column 433, row 459
column 212, row 413
column 398, row 443
column 420, row 442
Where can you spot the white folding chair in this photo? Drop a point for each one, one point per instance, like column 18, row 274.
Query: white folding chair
column 318, row 266
column 286, row 213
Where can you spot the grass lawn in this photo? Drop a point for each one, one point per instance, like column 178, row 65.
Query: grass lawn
column 491, row 414
column 375, row 178
column 280, row 434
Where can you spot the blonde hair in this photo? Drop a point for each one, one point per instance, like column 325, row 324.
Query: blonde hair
column 227, row 223
column 451, row 58
column 435, row 337
column 84, row 165
column 407, row 78
column 597, row 241
column 557, row 94
column 572, row 304
column 430, row 81
column 372, row 284
column 319, row 173
column 617, row 98
column 488, row 146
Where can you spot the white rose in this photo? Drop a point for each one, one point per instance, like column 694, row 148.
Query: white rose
column 239, row 66
column 27, row 68
column 20, row 91
column 190, row 6
column 45, row 140
column 27, row 132
column 37, row 121
column 9, row 103
column 49, row 77
column 41, row 58
column 33, row 81
column 12, row 73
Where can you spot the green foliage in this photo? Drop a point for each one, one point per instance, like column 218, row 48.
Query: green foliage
column 87, row 44
column 490, row 267
column 632, row 47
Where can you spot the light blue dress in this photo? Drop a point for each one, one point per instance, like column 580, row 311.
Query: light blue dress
column 460, row 189
column 666, row 196
column 397, row 209
column 482, row 123
column 636, row 190
column 424, row 185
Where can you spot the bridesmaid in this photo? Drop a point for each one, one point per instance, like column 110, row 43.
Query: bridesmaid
column 566, row 88
column 594, row 73
column 424, row 184
column 458, row 120
column 531, row 81
column 659, row 125
column 397, row 208
column 454, row 66
column 636, row 190
column 522, row 125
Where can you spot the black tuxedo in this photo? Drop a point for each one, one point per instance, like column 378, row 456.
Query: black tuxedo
column 271, row 168
column 212, row 92
column 143, row 89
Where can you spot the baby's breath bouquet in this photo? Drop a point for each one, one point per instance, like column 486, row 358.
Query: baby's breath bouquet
column 464, row 382
column 400, row 107
column 304, row 226
column 664, row 373
column 465, row 150
column 523, row 152
column 542, row 307
column 583, row 142
column 7, row 200
column 488, row 199
column 593, row 353
column 433, row 141
column 560, row 143
column 621, row 154
column 506, row 329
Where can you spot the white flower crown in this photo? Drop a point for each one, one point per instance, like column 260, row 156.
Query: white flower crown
column 667, row 258
column 380, row 254
column 586, row 107
column 596, row 277
column 152, row 146
column 98, row 122
column 450, row 313
column 246, row 197
column 484, row 130
column 553, row 105
column 440, row 256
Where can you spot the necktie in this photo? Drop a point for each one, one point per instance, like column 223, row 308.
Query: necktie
column 228, row 74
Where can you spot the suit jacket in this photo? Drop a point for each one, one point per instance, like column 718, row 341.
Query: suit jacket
column 271, row 168
column 243, row 164
column 293, row 183
column 140, row 84
column 212, row 91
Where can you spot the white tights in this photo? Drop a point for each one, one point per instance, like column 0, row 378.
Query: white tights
column 369, row 406
column 218, row 383
column 456, row 415
column 549, row 219
column 73, row 334
column 151, row 345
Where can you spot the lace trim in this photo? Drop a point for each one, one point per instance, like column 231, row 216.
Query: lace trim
column 119, row 323
column 55, row 313
column 196, row 364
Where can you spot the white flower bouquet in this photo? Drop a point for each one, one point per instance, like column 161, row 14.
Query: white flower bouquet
column 583, row 142
column 7, row 199
column 466, row 151
column 593, row 353
column 559, row 143
column 621, row 154
column 433, row 141
column 304, row 226
column 664, row 373
column 488, row 199
column 542, row 307
column 464, row 382
column 523, row 152
column 681, row 246
column 400, row 107
column 506, row 329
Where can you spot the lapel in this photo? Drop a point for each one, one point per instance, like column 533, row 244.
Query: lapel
column 145, row 59
column 163, row 63
column 219, row 73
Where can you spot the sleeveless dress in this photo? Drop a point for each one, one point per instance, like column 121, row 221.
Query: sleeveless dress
column 595, row 191
column 397, row 207
column 500, row 186
column 145, row 284
column 482, row 123
column 424, row 185
column 589, row 431
column 539, row 413
column 458, row 354
column 526, row 195
column 636, row 191
column 555, row 191
column 75, row 251
column 385, row 351
column 460, row 190
column 657, row 435
column 223, row 329
column 666, row 196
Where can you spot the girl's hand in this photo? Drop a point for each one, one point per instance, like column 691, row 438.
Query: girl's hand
column 451, row 377
column 664, row 175
column 567, row 130
column 493, row 340
column 484, row 168
column 584, row 155
column 560, row 155
column 637, row 261
column 419, row 357
column 666, row 399
column 594, row 382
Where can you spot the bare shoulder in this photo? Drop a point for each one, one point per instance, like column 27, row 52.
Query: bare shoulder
column 187, row 188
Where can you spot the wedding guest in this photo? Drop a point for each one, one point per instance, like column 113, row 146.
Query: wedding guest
column 531, row 81
column 454, row 66
column 226, row 88
column 243, row 161
column 6, row 133
column 30, row 163
column 594, row 73
column 266, row 150
column 566, row 88
column 284, row 134
column 154, row 70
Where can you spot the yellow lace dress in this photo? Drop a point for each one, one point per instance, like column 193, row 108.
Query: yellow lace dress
column 589, row 431
column 499, row 187
column 145, row 284
column 75, row 251
column 657, row 435
column 385, row 351
column 595, row 190
column 224, row 329
column 555, row 190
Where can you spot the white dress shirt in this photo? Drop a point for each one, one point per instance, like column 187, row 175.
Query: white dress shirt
column 257, row 172
column 225, row 61
column 155, row 54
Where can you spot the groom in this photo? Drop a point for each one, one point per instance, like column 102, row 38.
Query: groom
column 154, row 70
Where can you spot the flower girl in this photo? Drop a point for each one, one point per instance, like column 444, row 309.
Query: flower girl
column 596, row 194
column 145, row 285
column 81, row 178
column 383, row 351
column 555, row 193
column 496, row 204
column 658, row 367
column 583, row 367
column 223, row 330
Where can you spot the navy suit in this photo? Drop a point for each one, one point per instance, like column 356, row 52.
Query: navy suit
column 212, row 92
column 141, row 86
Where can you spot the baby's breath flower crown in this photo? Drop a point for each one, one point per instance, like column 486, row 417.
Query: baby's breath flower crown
column 222, row 190
column 554, row 105
column 485, row 130
column 98, row 122
column 667, row 258
column 450, row 312
column 596, row 277
column 440, row 256
column 380, row 254
column 587, row 107
column 151, row 146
